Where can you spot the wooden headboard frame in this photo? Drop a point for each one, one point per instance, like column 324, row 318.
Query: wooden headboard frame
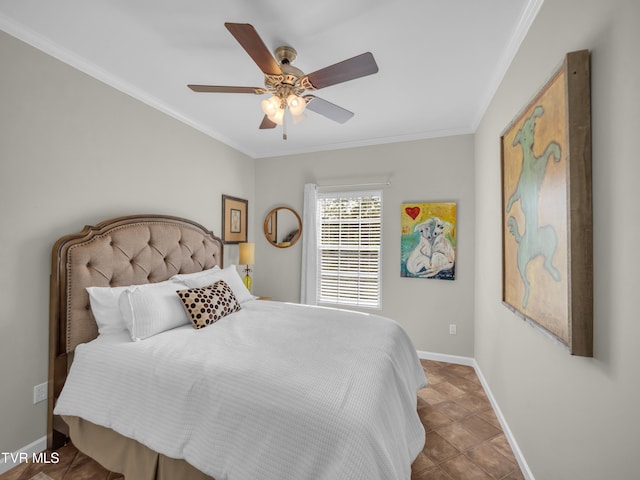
column 129, row 250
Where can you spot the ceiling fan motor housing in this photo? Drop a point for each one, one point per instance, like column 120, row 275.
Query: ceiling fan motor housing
column 285, row 54
column 289, row 82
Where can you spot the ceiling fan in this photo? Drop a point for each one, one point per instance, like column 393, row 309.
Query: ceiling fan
column 286, row 83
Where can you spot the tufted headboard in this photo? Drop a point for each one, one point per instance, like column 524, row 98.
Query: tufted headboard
column 127, row 250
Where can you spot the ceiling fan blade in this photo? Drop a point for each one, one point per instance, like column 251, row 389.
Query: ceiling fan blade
column 223, row 89
column 249, row 39
column 328, row 109
column 356, row 67
column 266, row 123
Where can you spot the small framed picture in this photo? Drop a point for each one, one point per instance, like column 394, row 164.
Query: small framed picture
column 234, row 219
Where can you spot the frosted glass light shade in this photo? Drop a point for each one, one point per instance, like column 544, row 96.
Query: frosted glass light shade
column 270, row 105
column 277, row 116
column 296, row 104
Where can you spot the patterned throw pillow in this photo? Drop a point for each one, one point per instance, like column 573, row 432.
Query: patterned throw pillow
column 207, row 305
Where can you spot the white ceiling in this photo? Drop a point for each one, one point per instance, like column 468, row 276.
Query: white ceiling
column 439, row 61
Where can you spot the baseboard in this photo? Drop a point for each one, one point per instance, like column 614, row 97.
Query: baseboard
column 443, row 357
column 6, row 462
column 524, row 466
column 469, row 361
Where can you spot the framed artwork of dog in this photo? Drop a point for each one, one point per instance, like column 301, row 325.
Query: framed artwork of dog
column 428, row 240
column 547, row 264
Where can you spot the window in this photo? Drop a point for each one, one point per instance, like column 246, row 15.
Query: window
column 349, row 248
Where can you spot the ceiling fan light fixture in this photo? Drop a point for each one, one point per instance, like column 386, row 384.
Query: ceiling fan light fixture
column 298, row 118
column 296, row 104
column 277, row 116
column 270, row 105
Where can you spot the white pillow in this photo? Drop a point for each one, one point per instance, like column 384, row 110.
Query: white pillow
column 152, row 308
column 207, row 276
column 104, row 305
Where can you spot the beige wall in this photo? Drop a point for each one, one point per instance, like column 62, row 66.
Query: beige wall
column 574, row 418
column 73, row 152
column 65, row 138
column 430, row 170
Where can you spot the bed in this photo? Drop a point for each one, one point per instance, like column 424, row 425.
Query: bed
column 266, row 389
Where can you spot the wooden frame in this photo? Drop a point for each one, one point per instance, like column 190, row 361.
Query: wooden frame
column 271, row 227
column 234, row 219
column 547, row 251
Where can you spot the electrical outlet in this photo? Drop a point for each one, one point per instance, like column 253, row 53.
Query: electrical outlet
column 452, row 329
column 40, row 392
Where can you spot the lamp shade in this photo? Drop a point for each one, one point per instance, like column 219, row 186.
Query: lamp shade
column 277, row 117
column 271, row 105
column 296, row 104
column 247, row 256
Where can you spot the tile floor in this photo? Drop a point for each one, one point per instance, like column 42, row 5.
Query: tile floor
column 464, row 438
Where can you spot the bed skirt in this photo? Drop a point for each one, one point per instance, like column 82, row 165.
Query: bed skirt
column 123, row 455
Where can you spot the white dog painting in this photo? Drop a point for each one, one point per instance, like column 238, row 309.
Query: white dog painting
column 428, row 240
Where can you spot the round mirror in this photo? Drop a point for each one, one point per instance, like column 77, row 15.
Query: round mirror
column 282, row 227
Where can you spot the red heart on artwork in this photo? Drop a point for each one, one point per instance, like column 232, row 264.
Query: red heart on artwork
column 413, row 212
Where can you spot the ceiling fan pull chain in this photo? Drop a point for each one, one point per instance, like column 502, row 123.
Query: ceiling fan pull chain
column 284, row 124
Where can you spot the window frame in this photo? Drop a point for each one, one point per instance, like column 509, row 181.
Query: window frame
column 360, row 301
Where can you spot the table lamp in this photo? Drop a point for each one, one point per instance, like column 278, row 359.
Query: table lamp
column 247, row 258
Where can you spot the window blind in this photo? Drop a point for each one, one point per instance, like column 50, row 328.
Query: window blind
column 349, row 248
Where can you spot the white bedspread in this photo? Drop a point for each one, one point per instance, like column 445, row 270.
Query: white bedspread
column 274, row 391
